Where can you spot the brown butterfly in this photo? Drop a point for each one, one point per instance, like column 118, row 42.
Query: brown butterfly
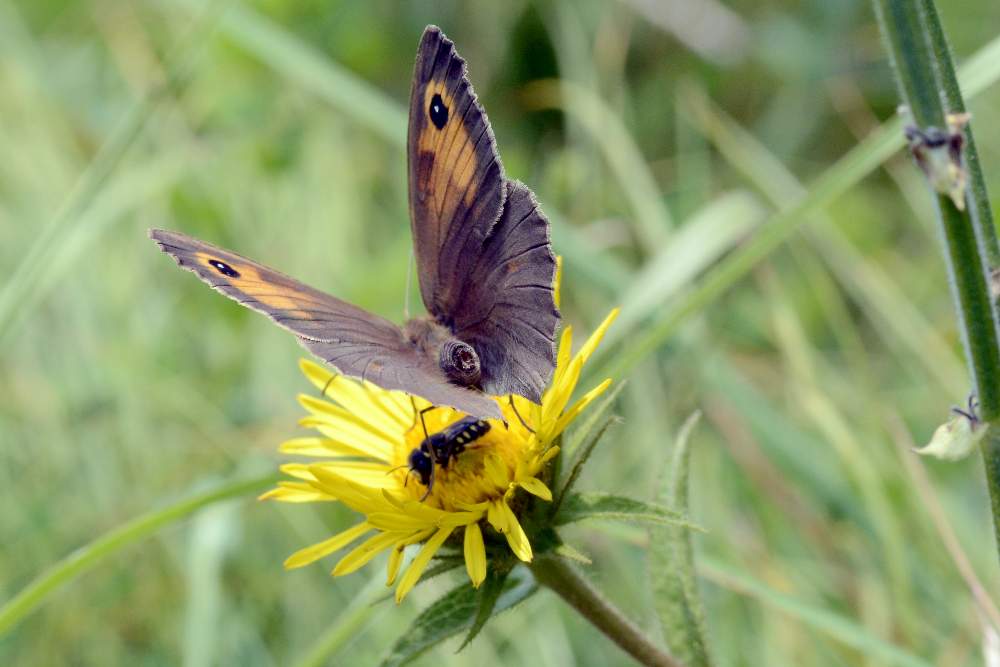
column 484, row 260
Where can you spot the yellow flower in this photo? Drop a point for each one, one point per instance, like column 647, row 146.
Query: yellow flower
column 366, row 436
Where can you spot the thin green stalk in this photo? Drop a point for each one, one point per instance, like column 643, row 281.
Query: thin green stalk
column 971, row 291
column 903, row 29
column 956, row 104
column 86, row 557
column 919, row 52
column 560, row 577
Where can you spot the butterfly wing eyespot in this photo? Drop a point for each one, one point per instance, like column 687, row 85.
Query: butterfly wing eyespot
column 438, row 111
column 224, row 268
column 352, row 340
column 455, row 175
column 483, row 251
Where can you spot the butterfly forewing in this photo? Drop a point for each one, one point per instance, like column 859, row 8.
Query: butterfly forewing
column 456, row 179
column 485, row 263
column 354, row 341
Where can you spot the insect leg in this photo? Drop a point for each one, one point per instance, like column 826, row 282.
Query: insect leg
column 430, row 485
column 513, row 407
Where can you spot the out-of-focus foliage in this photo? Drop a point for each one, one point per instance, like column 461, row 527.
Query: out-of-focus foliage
column 276, row 131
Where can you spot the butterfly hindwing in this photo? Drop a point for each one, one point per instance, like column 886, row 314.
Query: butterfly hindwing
column 456, row 179
column 507, row 310
column 485, row 263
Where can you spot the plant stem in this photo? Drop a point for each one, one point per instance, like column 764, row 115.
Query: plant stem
column 956, row 104
column 919, row 50
column 86, row 557
column 563, row 579
column 991, row 461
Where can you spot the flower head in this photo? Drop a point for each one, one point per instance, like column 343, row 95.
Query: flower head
column 366, row 436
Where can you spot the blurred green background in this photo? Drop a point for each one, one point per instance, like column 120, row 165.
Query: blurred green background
column 276, row 128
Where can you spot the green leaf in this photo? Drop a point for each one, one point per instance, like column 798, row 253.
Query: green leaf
column 595, row 505
column 671, row 565
column 454, row 612
column 583, row 455
column 572, row 553
column 489, row 593
column 441, row 566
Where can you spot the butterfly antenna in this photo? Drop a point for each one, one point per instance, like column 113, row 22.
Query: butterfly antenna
column 513, row 407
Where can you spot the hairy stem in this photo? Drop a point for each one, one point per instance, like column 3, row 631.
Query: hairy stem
column 563, row 579
column 928, row 85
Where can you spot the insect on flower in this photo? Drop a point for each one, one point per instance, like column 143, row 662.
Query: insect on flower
column 440, row 448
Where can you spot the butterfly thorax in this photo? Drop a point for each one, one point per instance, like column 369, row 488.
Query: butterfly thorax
column 457, row 359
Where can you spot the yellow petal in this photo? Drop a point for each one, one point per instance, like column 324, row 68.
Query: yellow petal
column 419, row 563
column 516, row 537
column 536, row 487
column 549, row 454
column 364, row 552
column 318, row 375
column 567, row 417
column 595, row 338
column 475, row 554
column 350, row 428
column 356, row 496
column 315, row 446
column 365, row 473
column 397, row 521
column 392, row 567
column 295, row 492
column 496, row 517
column 496, row 471
column 562, row 359
column 326, row 547
column 352, row 394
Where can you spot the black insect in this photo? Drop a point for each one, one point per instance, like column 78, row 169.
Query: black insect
column 442, row 447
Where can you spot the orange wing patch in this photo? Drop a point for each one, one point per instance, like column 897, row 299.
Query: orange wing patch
column 248, row 280
column 452, row 155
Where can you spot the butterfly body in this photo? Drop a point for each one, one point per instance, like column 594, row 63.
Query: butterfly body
column 458, row 360
column 483, row 254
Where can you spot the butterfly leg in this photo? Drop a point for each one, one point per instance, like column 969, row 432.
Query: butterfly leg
column 327, row 386
column 513, row 407
column 420, row 414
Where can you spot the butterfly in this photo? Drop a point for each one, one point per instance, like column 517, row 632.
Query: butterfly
column 484, row 261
